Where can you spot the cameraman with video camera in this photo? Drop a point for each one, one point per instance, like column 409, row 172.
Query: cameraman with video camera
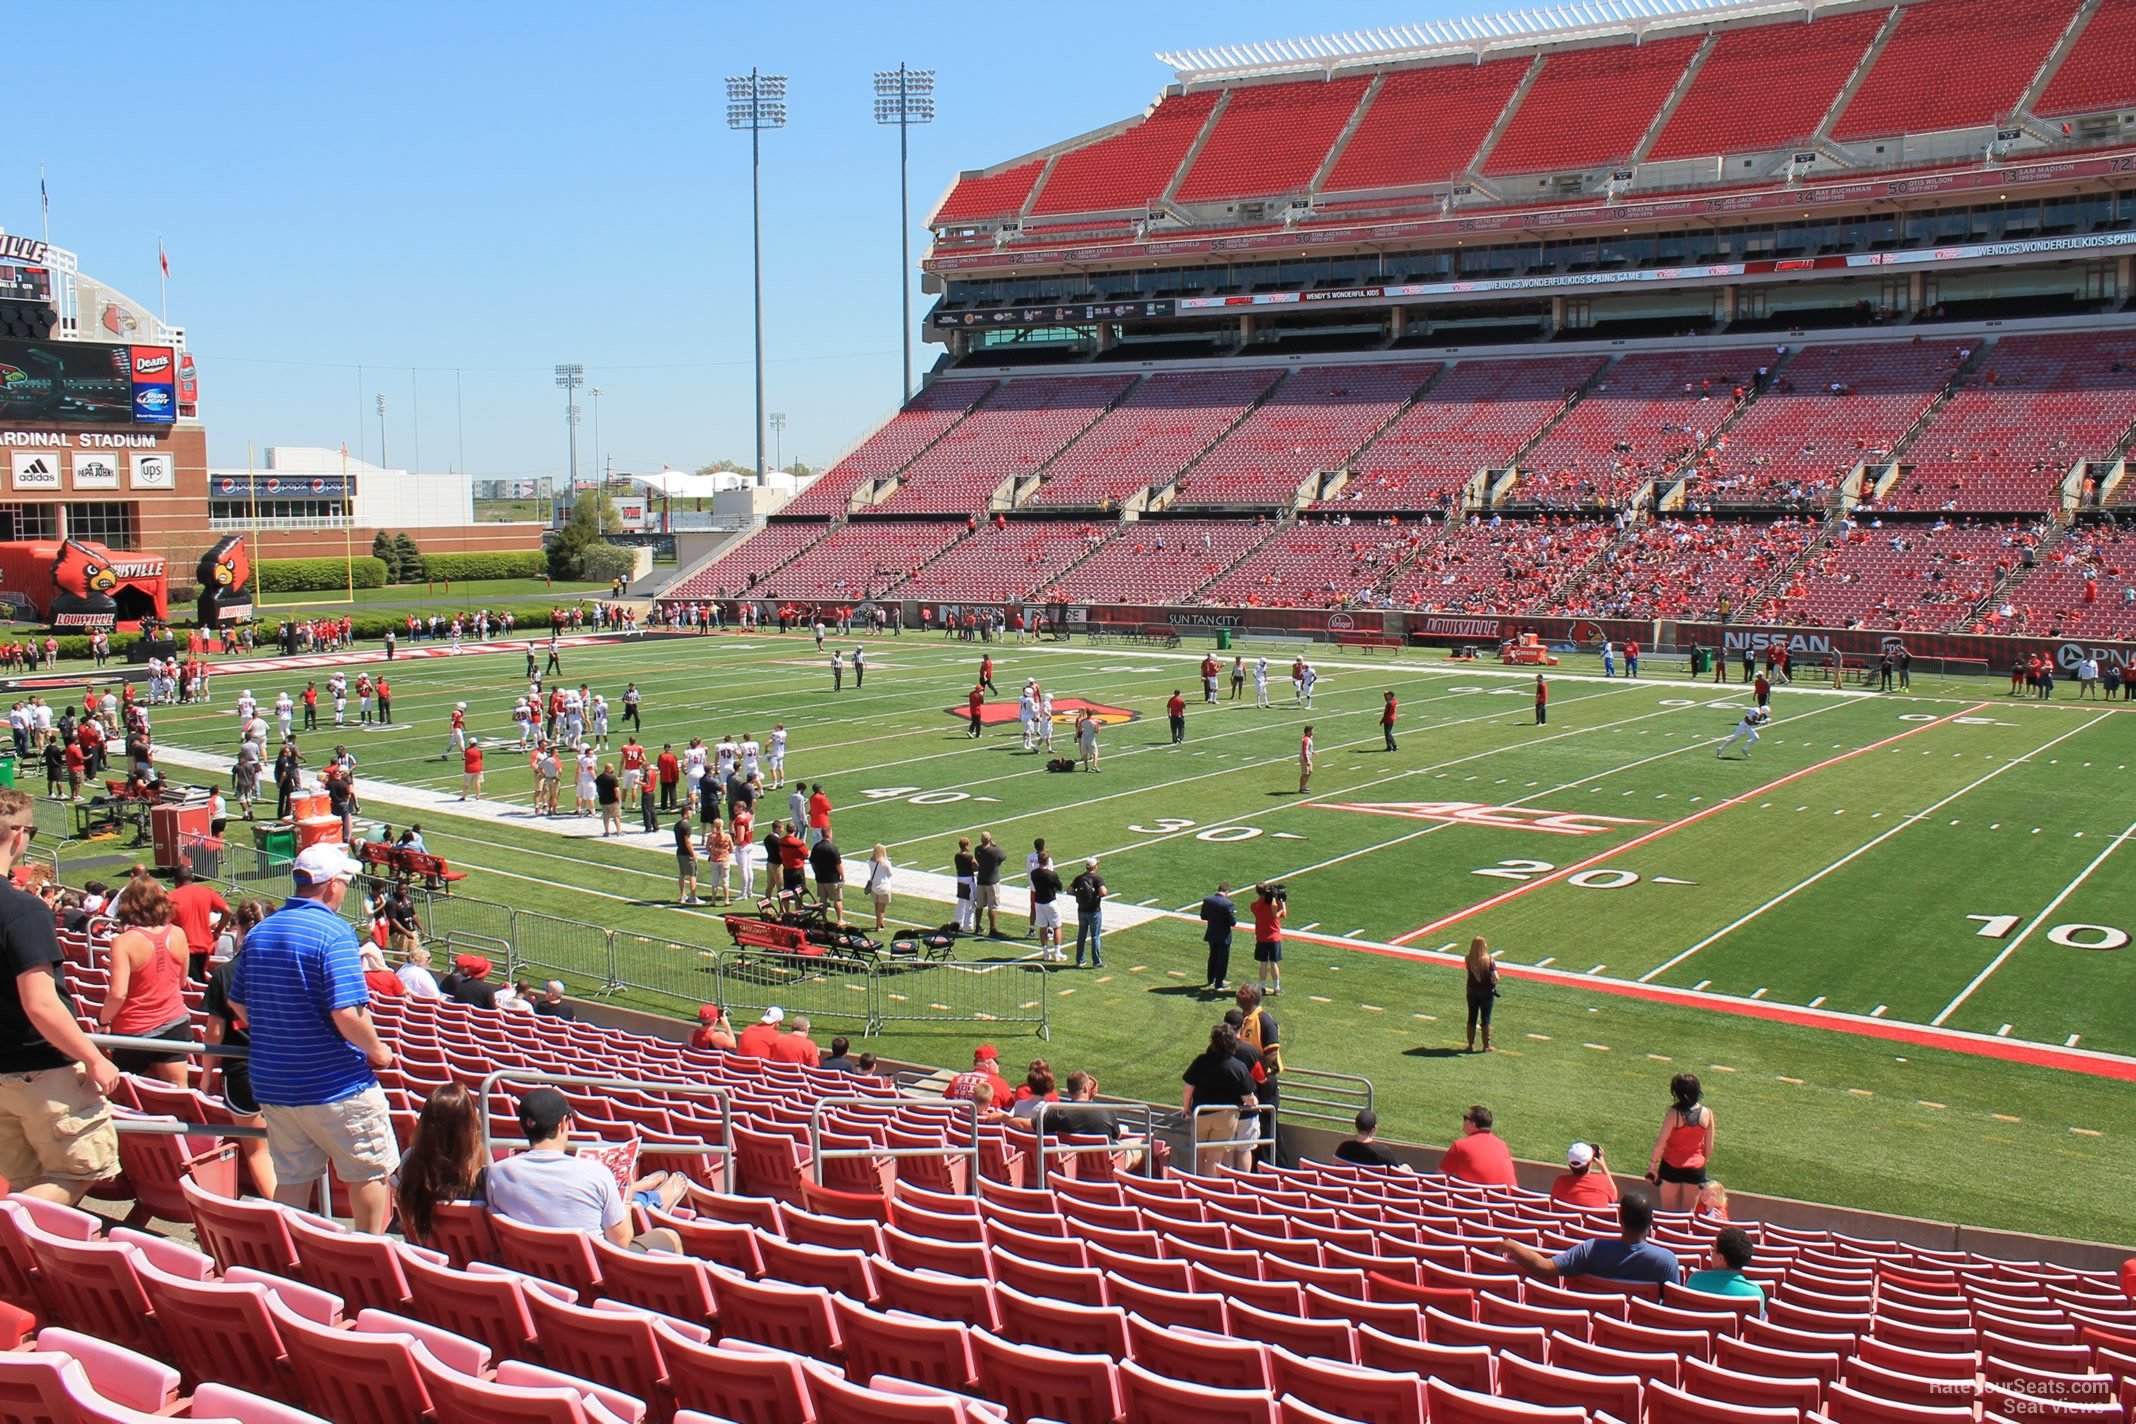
column 1271, row 904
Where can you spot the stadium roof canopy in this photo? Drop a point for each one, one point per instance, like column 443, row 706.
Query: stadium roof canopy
column 1477, row 35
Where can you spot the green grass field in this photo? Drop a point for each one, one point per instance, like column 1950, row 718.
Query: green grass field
column 1949, row 856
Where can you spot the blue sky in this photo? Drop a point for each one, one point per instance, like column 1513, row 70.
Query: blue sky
column 478, row 192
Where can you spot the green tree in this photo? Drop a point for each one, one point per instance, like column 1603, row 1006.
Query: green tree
column 721, row 467
column 384, row 550
column 591, row 512
column 409, row 558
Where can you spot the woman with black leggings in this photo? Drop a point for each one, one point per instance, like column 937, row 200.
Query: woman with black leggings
column 1482, row 973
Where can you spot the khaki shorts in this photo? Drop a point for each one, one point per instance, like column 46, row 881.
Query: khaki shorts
column 54, row 1126
column 355, row 1135
column 986, row 897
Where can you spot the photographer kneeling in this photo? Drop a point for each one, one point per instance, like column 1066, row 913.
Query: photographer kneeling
column 1271, row 905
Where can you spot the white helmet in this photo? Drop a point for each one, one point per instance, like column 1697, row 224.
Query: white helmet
column 459, row 706
column 248, row 692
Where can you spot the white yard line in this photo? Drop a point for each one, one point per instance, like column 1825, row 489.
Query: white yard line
column 1859, row 851
column 2026, row 933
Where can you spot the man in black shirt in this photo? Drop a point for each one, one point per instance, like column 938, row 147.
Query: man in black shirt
column 1216, row 1079
column 1219, row 915
column 469, row 982
column 840, row 1058
column 1362, row 1151
column 966, row 868
column 828, row 866
column 1090, row 892
column 987, row 883
column 685, row 861
column 551, row 1004
column 1045, row 914
column 59, row 1138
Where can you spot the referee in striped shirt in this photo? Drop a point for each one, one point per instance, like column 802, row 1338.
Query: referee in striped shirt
column 299, row 988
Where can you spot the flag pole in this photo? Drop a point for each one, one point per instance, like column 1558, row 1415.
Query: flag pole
column 163, row 283
column 44, row 199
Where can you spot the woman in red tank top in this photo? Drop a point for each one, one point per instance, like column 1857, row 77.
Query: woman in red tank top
column 1684, row 1147
column 147, row 994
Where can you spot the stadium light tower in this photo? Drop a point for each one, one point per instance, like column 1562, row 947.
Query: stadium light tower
column 570, row 376
column 381, row 430
column 904, row 97
column 778, row 437
column 756, row 102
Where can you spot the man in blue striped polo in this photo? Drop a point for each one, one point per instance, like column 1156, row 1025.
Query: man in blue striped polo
column 300, row 990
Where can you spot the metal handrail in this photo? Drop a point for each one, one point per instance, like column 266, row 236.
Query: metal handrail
column 1344, row 1089
column 169, row 1047
column 817, row 1152
column 178, row 1127
column 725, row 1146
column 1070, row 1149
column 1194, row 1119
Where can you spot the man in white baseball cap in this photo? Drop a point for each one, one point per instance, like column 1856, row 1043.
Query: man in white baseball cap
column 1586, row 1181
column 299, row 986
column 756, row 1040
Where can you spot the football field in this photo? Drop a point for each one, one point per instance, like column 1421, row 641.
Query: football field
column 1894, row 938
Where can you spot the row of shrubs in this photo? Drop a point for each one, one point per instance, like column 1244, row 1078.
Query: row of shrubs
column 370, row 571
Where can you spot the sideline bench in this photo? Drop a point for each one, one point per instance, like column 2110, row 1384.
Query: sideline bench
column 763, row 934
column 1367, row 641
column 404, row 864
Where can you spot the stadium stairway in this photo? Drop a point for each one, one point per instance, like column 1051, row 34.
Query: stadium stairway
column 1827, row 147
column 2049, row 67
column 1982, row 346
column 680, row 585
column 1500, row 487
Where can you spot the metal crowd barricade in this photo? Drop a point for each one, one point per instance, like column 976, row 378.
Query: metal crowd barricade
column 818, row 1153
column 1233, row 1144
column 719, row 1094
column 962, row 991
column 1148, row 1165
column 1323, row 1095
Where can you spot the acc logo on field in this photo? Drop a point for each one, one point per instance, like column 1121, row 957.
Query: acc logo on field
column 997, row 714
column 1473, row 813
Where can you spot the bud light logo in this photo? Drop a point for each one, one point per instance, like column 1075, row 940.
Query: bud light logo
column 156, row 404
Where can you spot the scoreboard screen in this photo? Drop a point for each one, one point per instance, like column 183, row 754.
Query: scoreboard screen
column 20, row 282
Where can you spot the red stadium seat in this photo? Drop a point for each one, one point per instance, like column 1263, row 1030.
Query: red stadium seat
column 1618, row 1396
column 1198, row 1356
column 1033, row 1382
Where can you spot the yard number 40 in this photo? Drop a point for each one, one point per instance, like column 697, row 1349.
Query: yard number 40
column 2068, row 936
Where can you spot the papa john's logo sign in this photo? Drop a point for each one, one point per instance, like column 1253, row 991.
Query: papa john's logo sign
column 1475, row 813
column 1001, row 714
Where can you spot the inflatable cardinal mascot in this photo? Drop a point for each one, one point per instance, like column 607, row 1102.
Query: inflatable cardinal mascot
column 225, row 574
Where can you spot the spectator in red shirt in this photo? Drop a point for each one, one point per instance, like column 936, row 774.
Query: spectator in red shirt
column 193, row 908
column 471, row 770
column 1480, row 1155
column 1175, row 710
column 976, row 701
column 819, row 814
column 986, row 1068
column 669, row 769
column 712, row 1030
column 793, row 862
column 1586, row 1181
column 1388, row 708
column 796, row 1046
column 760, row 1039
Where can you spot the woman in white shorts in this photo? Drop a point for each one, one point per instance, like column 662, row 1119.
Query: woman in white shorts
column 879, row 875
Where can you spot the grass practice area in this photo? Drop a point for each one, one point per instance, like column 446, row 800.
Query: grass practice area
column 519, row 595
column 1951, row 856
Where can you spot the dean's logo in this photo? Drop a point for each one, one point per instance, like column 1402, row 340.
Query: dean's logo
column 998, row 713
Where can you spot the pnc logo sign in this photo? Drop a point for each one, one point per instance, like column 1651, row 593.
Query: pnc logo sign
column 1001, row 714
column 1474, row 813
